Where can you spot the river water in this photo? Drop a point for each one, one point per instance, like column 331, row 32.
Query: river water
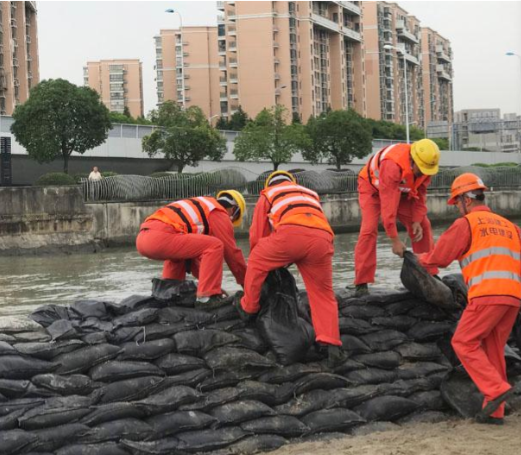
column 27, row 282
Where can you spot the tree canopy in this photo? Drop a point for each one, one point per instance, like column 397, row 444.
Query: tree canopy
column 338, row 136
column 60, row 118
column 270, row 137
column 382, row 129
column 184, row 136
column 238, row 120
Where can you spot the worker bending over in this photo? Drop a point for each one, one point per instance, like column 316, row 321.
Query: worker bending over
column 393, row 184
column 488, row 249
column 200, row 230
column 288, row 227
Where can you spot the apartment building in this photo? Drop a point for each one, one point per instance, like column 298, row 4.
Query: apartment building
column 119, row 83
column 306, row 56
column 187, row 68
column 19, row 70
column 392, row 63
column 437, row 77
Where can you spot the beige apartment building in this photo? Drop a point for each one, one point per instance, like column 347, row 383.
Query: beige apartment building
column 437, row 77
column 306, row 56
column 385, row 25
column 187, row 68
column 119, row 83
column 19, row 70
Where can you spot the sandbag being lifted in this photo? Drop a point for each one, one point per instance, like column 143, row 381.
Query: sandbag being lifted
column 287, row 334
column 424, row 286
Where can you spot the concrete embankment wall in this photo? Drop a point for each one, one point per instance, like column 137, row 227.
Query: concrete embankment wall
column 36, row 219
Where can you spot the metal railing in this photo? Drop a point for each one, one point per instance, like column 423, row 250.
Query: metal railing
column 178, row 186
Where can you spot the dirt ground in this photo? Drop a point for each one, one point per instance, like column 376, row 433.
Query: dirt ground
column 455, row 437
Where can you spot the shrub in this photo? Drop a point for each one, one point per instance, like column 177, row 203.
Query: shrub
column 55, row 179
column 108, row 174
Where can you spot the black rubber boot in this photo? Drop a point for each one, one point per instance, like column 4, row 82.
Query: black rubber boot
column 215, row 301
column 245, row 316
column 361, row 290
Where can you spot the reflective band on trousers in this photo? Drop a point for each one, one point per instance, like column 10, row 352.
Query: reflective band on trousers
column 494, row 276
column 487, row 252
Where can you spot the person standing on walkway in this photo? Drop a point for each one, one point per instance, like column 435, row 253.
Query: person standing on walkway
column 289, row 227
column 95, row 175
column 488, row 248
column 393, row 184
column 199, row 230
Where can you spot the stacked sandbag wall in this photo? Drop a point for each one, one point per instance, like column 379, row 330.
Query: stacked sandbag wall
column 151, row 376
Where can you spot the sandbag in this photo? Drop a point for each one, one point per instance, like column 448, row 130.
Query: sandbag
column 193, row 378
column 419, row 370
column 430, row 400
column 95, row 338
column 10, row 421
column 354, row 345
column 51, row 439
column 189, row 317
column 116, row 370
column 127, row 334
column 305, row 403
column 400, row 323
column 424, row 286
column 83, row 359
column 461, row 394
column 55, row 412
column 402, row 307
column 384, row 360
column 208, row 440
column 236, row 412
column 429, row 331
column 428, row 312
column 48, row 351
column 213, row 398
column 352, row 326
column 178, row 363
column 7, row 349
column 324, row 381
column 129, row 389
column 366, row 312
column 150, row 350
column 134, row 303
column 115, row 430
column 456, row 283
column 165, row 446
column 18, row 367
column 75, row 384
column 177, row 292
column 288, row 426
column 336, row 419
column 416, row 351
column 167, row 400
column 347, row 366
column 164, row 425
column 424, row 417
column 384, row 340
column 45, row 316
column 270, row 394
column 250, row 338
column 387, row 408
column 352, row 396
column 13, row 388
column 84, row 309
column 287, row 334
column 139, row 317
column 19, row 404
column 289, row 373
column 254, row 444
column 370, row 376
column 199, row 342
column 105, row 448
column 14, row 442
column 111, row 411
column 228, row 357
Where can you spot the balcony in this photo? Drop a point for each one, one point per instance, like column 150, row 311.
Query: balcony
column 404, row 33
column 220, row 6
column 222, row 66
column 276, row 45
column 351, row 7
column 13, row 23
column 16, row 83
column 234, row 95
column 411, row 59
column 232, row 46
column 277, row 76
column 232, row 31
column 233, row 63
column 15, row 62
column 234, row 79
column 333, row 26
column 443, row 73
column 223, row 96
column 442, row 55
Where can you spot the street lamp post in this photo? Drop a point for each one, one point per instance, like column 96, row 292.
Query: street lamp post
column 513, row 54
column 402, row 51
column 172, row 11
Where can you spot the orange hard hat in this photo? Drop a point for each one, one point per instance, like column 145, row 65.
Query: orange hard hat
column 463, row 184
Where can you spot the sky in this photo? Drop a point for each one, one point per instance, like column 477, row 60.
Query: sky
column 71, row 33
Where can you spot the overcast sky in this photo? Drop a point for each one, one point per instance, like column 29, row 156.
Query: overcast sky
column 72, row 33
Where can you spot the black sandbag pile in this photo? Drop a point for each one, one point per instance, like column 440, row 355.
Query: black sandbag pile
column 153, row 375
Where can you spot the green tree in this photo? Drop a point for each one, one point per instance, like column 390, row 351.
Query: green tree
column 382, row 129
column 338, row 136
column 270, row 137
column 184, row 136
column 222, row 124
column 60, row 118
column 238, row 120
column 441, row 142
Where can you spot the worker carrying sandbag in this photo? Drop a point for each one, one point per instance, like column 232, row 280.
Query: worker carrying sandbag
column 488, row 248
column 289, row 226
column 199, row 229
column 393, row 184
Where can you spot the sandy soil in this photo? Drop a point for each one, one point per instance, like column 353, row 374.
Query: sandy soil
column 455, row 437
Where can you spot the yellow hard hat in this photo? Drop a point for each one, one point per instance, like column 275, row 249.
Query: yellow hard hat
column 239, row 200
column 426, row 155
column 289, row 176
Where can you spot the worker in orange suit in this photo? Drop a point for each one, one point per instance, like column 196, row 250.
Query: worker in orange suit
column 393, row 184
column 199, row 229
column 488, row 248
column 289, row 226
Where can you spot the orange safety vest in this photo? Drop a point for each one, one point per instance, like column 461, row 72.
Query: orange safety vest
column 189, row 216
column 401, row 155
column 294, row 204
column 492, row 264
